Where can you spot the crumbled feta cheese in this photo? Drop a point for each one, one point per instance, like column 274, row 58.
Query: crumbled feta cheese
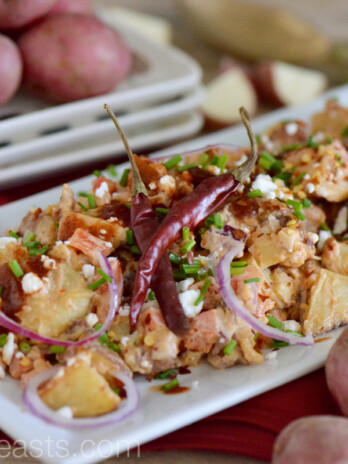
column 341, row 221
column 310, row 187
column 280, row 195
column 71, row 362
column 102, row 231
column 65, row 412
column 59, row 242
column 67, row 242
column 241, row 160
column 111, row 259
column 101, row 190
column 213, row 170
column 240, row 189
column 306, row 176
column 59, row 374
column 124, row 310
column 292, row 325
column 108, row 244
column 267, row 142
column 124, row 340
column 4, row 241
column 48, row 263
column 19, row 355
column 264, row 183
column 145, row 363
column 183, row 285
column 2, row 373
column 168, row 181
column 291, row 128
column 92, row 319
column 112, row 219
column 9, row 349
column 314, row 237
column 152, row 186
column 31, row 283
column 271, row 355
column 195, row 385
column 318, row 137
column 88, row 271
column 187, row 300
column 323, row 236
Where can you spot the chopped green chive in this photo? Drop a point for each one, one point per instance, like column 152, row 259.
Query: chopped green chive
column 306, row 203
column 172, row 162
column 185, row 233
column 344, row 132
column 273, row 322
column 116, row 390
column 254, row 194
column 188, row 246
column 162, row 210
column 199, row 300
column 256, row 336
column 295, row 204
column 56, row 349
column 96, row 284
column 130, row 237
column 29, row 236
column 13, row 234
column 250, row 281
column 16, row 269
column 277, row 166
column 179, row 274
column 165, row 374
column 175, row 259
column 329, row 140
column 151, row 296
column 284, row 176
column 203, row 159
column 83, row 207
column 170, row 385
column 104, row 274
column 124, row 178
column 239, row 264
column 278, row 344
column 39, row 251
column 96, row 173
column 112, row 170
column 297, row 334
column 324, row 226
column 191, row 268
column 230, row 347
column 266, row 161
column 128, row 205
column 205, row 287
column 300, row 216
column 114, row 347
column 215, row 220
column 3, row 340
column 104, row 339
column 0, row 292
column 82, row 194
column 295, row 146
column 339, row 159
column 237, row 271
column 98, row 326
column 258, row 139
column 186, row 167
column 221, row 163
column 268, row 157
column 25, row 347
column 311, row 144
column 135, row 250
column 32, row 244
column 91, row 201
column 299, row 178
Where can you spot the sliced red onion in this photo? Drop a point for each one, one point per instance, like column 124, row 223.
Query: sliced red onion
column 223, row 276
column 37, row 407
column 115, row 301
column 197, row 151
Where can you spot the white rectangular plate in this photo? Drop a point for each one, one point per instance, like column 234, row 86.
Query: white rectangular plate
column 160, row 414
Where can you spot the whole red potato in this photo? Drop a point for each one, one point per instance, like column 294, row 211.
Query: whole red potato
column 10, row 69
column 336, row 369
column 313, row 440
column 18, row 13
column 72, row 6
column 68, row 57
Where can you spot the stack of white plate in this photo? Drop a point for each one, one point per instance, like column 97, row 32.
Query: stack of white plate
column 157, row 104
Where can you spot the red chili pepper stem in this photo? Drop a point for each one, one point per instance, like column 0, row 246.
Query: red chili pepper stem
column 137, row 185
column 243, row 172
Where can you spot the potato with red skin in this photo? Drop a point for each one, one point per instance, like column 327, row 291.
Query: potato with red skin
column 336, row 370
column 313, row 440
column 15, row 14
column 72, row 6
column 10, row 69
column 68, row 57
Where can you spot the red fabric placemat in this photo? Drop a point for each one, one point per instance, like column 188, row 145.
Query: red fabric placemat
column 249, row 428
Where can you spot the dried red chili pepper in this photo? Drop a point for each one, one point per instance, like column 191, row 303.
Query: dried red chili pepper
column 188, row 212
column 144, row 223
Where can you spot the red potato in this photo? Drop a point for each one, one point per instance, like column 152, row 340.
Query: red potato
column 336, row 369
column 72, row 6
column 284, row 84
column 226, row 94
column 313, row 440
column 10, row 69
column 68, row 57
column 18, row 13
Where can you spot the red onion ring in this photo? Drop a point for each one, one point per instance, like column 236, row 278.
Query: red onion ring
column 37, row 407
column 223, row 276
column 115, row 301
column 197, row 151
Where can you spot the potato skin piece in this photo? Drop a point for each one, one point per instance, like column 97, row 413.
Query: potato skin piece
column 10, row 70
column 313, row 440
column 15, row 14
column 69, row 57
column 336, row 370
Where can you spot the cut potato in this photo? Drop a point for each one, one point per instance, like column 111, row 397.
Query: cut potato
column 226, row 94
column 285, row 84
column 80, row 387
column 335, row 256
column 327, row 307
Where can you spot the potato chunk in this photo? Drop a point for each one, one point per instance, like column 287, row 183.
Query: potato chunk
column 80, row 387
column 335, row 256
column 327, row 308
